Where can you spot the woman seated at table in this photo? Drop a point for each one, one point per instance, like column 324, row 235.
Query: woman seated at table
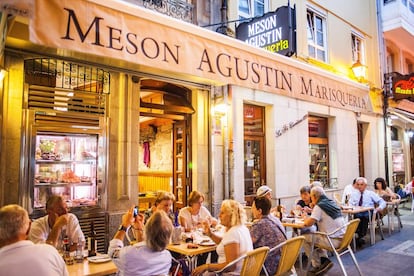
column 149, row 256
column 267, row 230
column 383, row 191
column 235, row 242
column 192, row 216
column 163, row 201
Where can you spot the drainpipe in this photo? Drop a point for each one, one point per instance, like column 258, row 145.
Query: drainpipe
column 386, row 81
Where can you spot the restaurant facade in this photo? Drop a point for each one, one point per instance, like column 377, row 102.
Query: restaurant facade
column 105, row 103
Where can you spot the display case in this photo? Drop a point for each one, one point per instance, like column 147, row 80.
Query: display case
column 319, row 163
column 67, row 165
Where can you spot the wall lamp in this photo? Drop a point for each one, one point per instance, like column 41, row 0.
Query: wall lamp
column 359, row 70
column 410, row 132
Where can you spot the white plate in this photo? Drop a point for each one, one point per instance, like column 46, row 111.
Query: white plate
column 207, row 243
column 99, row 259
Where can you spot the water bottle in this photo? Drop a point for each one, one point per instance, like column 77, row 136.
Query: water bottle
column 79, row 251
column 176, row 236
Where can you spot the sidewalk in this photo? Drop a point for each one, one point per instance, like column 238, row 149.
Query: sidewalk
column 392, row 256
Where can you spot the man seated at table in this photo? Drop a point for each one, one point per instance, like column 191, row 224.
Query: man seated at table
column 365, row 198
column 19, row 256
column 267, row 230
column 149, row 256
column 58, row 222
column 328, row 217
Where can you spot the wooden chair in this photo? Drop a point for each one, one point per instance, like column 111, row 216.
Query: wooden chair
column 289, row 252
column 345, row 245
column 252, row 262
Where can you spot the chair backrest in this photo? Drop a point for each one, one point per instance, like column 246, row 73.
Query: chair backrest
column 349, row 234
column 338, row 198
column 253, row 261
column 290, row 250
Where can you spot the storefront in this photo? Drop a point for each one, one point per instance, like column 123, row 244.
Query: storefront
column 189, row 108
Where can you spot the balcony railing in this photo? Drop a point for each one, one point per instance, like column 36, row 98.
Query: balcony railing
column 175, row 8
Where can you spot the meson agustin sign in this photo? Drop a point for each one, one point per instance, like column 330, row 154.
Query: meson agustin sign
column 274, row 31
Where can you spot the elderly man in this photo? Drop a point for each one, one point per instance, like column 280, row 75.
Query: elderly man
column 328, row 217
column 19, row 256
column 366, row 198
column 58, row 222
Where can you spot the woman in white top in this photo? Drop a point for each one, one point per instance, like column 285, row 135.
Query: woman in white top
column 235, row 242
column 192, row 216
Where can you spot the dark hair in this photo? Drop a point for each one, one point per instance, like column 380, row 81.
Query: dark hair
column 382, row 181
column 305, row 189
column 263, row 203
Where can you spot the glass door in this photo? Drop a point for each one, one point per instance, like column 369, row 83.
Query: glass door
column 181, row 173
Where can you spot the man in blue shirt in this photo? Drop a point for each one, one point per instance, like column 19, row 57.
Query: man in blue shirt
column 365, row 198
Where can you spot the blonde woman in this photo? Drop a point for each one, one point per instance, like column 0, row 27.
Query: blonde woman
column 192, row 216
column 235, row 242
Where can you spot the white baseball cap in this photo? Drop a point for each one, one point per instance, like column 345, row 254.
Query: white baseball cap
column 263, row 190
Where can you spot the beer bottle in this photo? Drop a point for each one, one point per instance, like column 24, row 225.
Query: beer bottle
column 92, row 241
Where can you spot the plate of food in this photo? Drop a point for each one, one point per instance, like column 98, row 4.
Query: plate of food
column 99, row 259
column 207, row 243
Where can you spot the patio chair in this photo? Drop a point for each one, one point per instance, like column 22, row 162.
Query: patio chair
column 345, row 245
column 252, row 262
column 412, row 199
column 289, row 252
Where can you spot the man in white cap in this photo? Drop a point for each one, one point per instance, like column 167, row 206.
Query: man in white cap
column 264, row 191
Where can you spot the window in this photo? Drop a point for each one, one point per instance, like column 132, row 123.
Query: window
column 318, row 150
column 254, row 148
column 316, row 36
column 357, row 49
column 252, row 8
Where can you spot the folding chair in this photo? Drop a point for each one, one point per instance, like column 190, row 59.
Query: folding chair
column 289, row 252
column 252, row 262
column 345, row 245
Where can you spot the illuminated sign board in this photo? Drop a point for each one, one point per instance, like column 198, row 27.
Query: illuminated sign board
column 274, row 31
column 403, row 87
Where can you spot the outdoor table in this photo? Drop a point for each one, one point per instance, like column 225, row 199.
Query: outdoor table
column 191, row 254
column 297, row 224
column 91, row 269
column 352, row 210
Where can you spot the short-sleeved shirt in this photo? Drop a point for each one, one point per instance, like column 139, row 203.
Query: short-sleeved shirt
column 192, row 220
column 326, row 223
column 268, row 231
column 25, row 258
column 236, row 234
column 138, row 259
column 40, row 230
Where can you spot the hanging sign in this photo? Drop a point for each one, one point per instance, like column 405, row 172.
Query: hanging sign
column 403, row 87
column 274, row 31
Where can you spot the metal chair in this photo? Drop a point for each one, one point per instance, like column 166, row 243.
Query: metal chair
column 412, row 199
column 289, row 252
column 252, row 262
column 345, row 245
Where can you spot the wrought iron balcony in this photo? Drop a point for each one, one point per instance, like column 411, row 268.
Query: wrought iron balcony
column 175, row 8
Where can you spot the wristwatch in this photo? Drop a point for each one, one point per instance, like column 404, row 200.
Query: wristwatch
column 122, row 228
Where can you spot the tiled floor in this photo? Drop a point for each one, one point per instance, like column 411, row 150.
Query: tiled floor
column 393, row 256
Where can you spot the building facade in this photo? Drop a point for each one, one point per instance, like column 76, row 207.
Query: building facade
column 184, row 105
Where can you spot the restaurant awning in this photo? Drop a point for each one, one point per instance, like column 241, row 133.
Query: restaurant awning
column 127, row 36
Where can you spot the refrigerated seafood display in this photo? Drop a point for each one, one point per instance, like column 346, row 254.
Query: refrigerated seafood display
column 66, row 164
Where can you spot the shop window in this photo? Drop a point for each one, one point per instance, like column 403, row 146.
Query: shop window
column 254, row 149
column 318, row 150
